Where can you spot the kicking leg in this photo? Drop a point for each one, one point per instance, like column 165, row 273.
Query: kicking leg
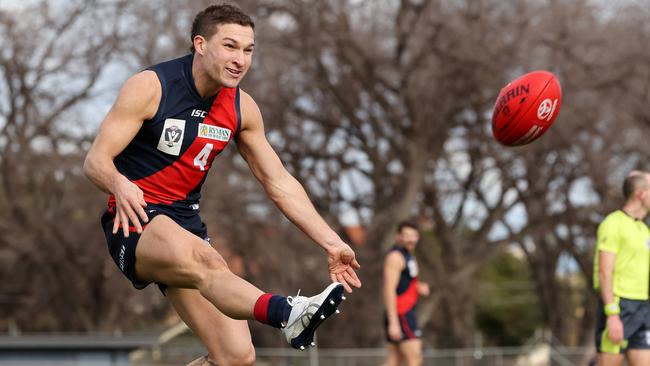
column 169, row 254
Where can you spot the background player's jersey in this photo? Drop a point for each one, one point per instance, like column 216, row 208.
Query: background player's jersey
column 170, row 156
column 407, row 293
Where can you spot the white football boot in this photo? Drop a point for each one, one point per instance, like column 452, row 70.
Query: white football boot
column 307, row 313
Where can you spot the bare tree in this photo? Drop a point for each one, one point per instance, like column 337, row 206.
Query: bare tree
column 54, row 266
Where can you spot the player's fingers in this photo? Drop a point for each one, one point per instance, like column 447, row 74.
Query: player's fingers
column 140, row 207
column 342, row 280
column 116, row 221
column 133, row 217
column 141, row 213
column 333, row 277
column 141, row 200
column 616, row 336
column 134, row 209
column 352, row 277
column 355, row 264
column 351, row 281
column 124, row 221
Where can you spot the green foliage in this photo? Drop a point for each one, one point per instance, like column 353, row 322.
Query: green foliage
column 507, row 307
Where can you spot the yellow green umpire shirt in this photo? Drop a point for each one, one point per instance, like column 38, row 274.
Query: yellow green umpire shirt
column 629, row 239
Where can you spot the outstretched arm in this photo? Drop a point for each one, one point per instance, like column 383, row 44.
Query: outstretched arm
column 137, row 101
column 289, row 195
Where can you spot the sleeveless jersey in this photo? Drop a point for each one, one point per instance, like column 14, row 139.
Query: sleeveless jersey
column 407, row 293
column 170, row 156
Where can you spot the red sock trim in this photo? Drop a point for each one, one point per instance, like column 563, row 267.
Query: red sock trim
column 261, row 310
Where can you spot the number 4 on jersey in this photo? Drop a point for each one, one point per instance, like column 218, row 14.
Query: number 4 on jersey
column 201, row 160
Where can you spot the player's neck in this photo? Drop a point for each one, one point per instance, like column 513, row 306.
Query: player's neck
column 635, row 210
column 205, row 86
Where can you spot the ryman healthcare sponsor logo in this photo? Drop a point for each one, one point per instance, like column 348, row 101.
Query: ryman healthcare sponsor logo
column 214, row 132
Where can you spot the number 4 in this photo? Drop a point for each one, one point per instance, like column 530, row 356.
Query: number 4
column 201, row 160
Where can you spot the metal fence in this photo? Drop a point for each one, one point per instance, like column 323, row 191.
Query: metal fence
column 538, row 355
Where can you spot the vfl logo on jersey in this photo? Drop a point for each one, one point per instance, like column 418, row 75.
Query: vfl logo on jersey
column 214, row 132
column 171, row 138
column 413, row 267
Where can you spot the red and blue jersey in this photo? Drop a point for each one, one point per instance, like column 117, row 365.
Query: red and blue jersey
column 407, row 292
column 170, row 156
column 407, row 297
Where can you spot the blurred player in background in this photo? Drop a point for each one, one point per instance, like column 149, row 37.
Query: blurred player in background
column 621, row 270
column 401, row 290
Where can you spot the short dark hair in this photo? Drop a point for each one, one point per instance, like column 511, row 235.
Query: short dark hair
column 206, row 21
column 404, row 224
column 634, row 182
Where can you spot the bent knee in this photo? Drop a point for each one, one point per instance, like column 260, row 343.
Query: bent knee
column 202, row 264
column 208, row 259
column 241, row 357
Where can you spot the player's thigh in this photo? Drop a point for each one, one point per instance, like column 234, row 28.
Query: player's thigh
column 228, row 340
column 610, row 359
column 167, row 253
column 412, row 350
column 638, row 357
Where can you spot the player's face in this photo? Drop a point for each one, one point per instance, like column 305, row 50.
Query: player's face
column 408, row 238
column 228, row 54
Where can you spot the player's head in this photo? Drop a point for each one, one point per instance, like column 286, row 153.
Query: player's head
column 636, row 187
column 223, row 38
column 408, row 235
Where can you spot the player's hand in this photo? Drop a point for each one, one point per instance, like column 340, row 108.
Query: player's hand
column 394, row 331
column 129, row 205
column 423, row 289
column 615, row 329
column 341, row 264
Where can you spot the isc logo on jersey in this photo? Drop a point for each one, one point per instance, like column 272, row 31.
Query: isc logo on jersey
column 171, row 138
column 214, row 132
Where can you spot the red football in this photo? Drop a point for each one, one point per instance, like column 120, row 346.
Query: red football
column 526, row 108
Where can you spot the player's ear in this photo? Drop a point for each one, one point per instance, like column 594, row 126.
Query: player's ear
column 199, row 44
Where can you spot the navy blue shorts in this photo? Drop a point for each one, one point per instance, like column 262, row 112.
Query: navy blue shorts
column 409, row 325
column 635, row 316
column 122, row 249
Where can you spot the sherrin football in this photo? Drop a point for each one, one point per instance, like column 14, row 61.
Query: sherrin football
column 526, row 108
